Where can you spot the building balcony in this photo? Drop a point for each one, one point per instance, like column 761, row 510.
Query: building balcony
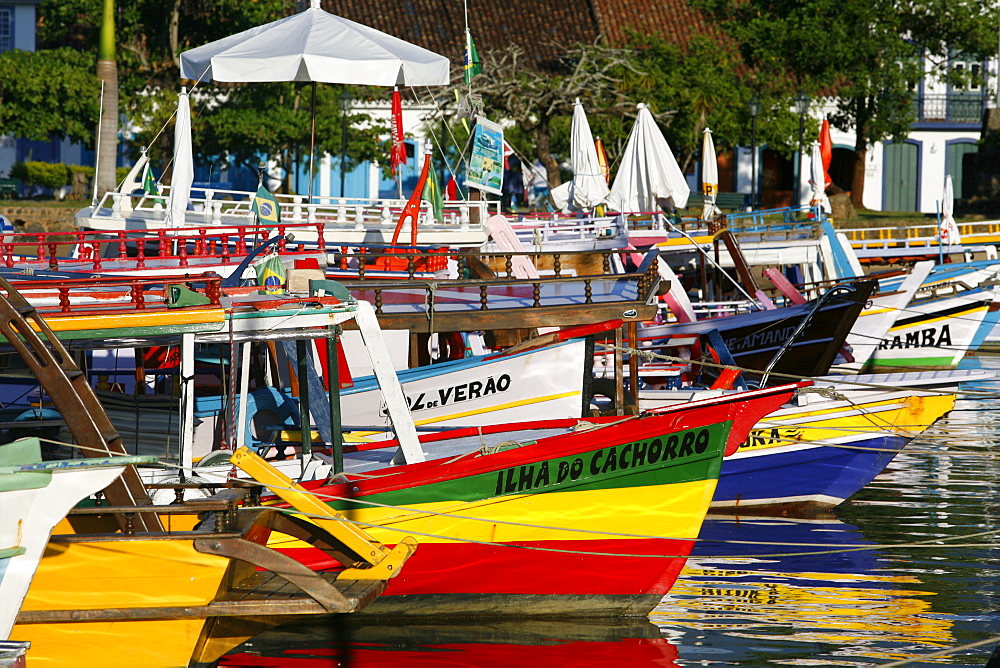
column 962, row 109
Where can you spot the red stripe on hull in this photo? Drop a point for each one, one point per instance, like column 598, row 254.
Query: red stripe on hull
column 469, row 568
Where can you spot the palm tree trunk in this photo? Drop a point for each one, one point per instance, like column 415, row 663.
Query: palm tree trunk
column 107, row 72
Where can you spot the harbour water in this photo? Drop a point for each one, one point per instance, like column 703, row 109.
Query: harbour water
column 906, row 569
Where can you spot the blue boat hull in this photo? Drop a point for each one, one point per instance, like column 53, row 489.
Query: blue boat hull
column 814, row 477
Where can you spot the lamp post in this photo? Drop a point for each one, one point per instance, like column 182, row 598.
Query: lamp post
column 753, row 108
column 345, row 105
column 801, row 108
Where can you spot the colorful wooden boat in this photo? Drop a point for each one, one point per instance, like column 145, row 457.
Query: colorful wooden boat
column 35, row 496
column 817, row 455
column 802, row 339
column 932, row 333
column 561, row 517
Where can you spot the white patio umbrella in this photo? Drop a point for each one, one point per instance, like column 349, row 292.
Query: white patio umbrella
column 649, row 176
column 315, row 46
column 709, row 177
column 588, row 189
column 817, row 179
column 948, row 230
column 183, row 175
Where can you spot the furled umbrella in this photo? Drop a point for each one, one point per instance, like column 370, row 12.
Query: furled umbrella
column 649, row 177
column 817, row 179
column 183, row 175
column 709, row 176
column 589, row 188
column 315, row 46
column 948, row 229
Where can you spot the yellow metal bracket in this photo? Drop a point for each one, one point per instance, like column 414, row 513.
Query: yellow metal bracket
column 383, row 563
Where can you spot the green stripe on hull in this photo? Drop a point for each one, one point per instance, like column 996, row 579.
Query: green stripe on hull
column 937, row 362
column 685, row 456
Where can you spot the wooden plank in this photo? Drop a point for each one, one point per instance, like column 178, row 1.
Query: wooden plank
column 359, row 592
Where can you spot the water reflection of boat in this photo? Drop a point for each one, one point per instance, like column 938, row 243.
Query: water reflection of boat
column 493, row 642
column 812, row 578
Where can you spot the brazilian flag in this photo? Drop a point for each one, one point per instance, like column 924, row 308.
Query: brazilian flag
column 271, row 275
column 266, row 206
column 473, row 65
column 432, row 194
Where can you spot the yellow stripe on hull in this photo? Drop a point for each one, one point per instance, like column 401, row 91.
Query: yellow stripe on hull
column 908, row 417
column 135, row 319
column 124, row 574
column 668, row 511
column 159, row 643
column 944, row 318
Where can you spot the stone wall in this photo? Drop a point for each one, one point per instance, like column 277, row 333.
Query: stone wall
column 39, row 218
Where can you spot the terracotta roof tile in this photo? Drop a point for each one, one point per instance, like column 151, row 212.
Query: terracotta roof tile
column 536, row 25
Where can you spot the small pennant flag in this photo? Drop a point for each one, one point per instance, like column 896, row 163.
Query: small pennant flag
column 149, row 183
column 432, row 193
column 398, row 155
column 266, row 206
column 472, row 64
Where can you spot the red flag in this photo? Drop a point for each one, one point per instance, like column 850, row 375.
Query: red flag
column 508, row 151
column 398, row 155
column 451, row 190
column 826, row 151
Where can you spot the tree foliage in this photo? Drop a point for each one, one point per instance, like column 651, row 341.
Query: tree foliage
column 48, row 93
column 865, row 54
column 241, row 121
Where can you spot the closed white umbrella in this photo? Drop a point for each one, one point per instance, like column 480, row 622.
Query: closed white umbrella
column 588, row 189
column 649, row 176
column 709, row 177
column 948, row 232
column 817, row 179
column 183, row 176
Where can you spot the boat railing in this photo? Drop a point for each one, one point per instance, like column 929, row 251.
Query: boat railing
column 223, row 244
column 217, row 206
column 919, row 236
column 112, row 294
column 496, row 264
column 543, row 229
column 645, row 277
column 784, row 223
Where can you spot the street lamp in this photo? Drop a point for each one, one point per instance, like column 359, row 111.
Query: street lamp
column 801, row 108
column 753, row 108
column 345, row 105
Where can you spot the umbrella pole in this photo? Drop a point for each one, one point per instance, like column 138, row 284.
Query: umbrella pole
column 312, row 139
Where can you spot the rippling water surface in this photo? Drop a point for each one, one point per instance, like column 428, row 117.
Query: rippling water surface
column 867, row 585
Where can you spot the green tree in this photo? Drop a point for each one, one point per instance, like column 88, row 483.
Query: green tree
column 868, row 55
column 696, row 87
column 48, row 93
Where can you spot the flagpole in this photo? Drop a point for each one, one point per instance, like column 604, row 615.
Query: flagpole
column 468, row 45
column 312, row 141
